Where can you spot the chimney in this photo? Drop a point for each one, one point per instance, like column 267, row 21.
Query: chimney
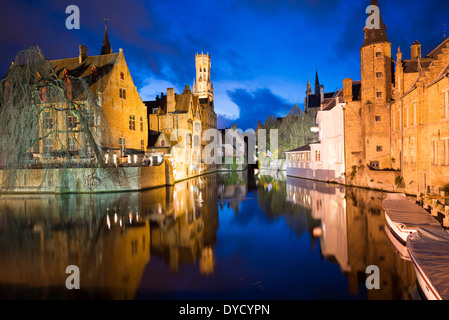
column 416, row 50
column 83, row 53
column 321, row 94
column 347, row 90
column 170, row 100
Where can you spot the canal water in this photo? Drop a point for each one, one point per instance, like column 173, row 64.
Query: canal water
column 222, row 236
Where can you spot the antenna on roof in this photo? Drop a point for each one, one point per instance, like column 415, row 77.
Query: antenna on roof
column 106, row 23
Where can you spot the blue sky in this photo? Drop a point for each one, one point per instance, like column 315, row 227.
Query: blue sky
column 263, row 51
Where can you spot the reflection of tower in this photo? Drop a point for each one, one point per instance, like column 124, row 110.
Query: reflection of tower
column 204, row 87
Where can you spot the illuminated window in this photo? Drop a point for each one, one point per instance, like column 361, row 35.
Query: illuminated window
column 48, row 121
column 72, row 144
column 435, row 153
column 72, row 122
column 413, row 120
column 446, row 152
column 122, row 143
column 375, row 165
column 122, row 76
column 412, row 150
column 48, row 145
column 122, row 94
column 446, row 104
column 90, row 118
column 132, row 122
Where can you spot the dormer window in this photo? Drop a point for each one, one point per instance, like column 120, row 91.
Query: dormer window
column 94, row 72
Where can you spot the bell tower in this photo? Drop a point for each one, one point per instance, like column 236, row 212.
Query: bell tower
column 376, row 62
column 204, row 87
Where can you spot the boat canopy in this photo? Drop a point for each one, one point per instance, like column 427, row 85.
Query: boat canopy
column 404, row 211
column 429, row 248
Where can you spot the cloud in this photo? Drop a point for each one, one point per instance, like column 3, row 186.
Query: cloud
column 256, row 105
column 154, row 87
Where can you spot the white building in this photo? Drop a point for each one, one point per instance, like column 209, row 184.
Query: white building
column 330, row 121
column 323, row 160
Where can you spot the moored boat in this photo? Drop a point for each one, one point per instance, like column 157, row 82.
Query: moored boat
column 404, row 217
column 398, row 246
column 429, row 252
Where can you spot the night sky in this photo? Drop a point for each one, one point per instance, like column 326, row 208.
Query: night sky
column 263, row 51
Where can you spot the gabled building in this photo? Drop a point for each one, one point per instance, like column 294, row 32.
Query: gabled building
column 122, row 126
column 367, row 118
column 313, row 100
column 178, row 116
column 420, row 119
column 183, row 118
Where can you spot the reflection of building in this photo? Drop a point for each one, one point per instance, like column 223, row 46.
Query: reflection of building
column 352, row 234
column 328, row 205
column 183, row 228
column 368, row 245
column 233, row 190
column 42, row 239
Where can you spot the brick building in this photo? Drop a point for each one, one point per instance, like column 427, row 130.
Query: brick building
column 368, row 160
column 420, row 119
column 183, row 118
column 123, row 123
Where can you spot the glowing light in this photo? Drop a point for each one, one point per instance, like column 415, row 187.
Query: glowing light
column 115, row 218
column 108, row 222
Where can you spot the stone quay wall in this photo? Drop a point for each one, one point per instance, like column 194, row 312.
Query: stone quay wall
column 89, row 180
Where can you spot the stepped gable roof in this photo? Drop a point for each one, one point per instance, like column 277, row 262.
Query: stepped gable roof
column 94, row 70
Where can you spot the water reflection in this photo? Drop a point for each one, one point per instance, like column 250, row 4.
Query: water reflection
column 226, row 236
column 352, row 234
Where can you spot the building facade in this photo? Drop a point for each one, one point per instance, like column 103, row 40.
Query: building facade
column 119, row 121
column 420, row 119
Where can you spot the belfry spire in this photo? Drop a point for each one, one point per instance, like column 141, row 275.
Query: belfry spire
column 106, row 47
